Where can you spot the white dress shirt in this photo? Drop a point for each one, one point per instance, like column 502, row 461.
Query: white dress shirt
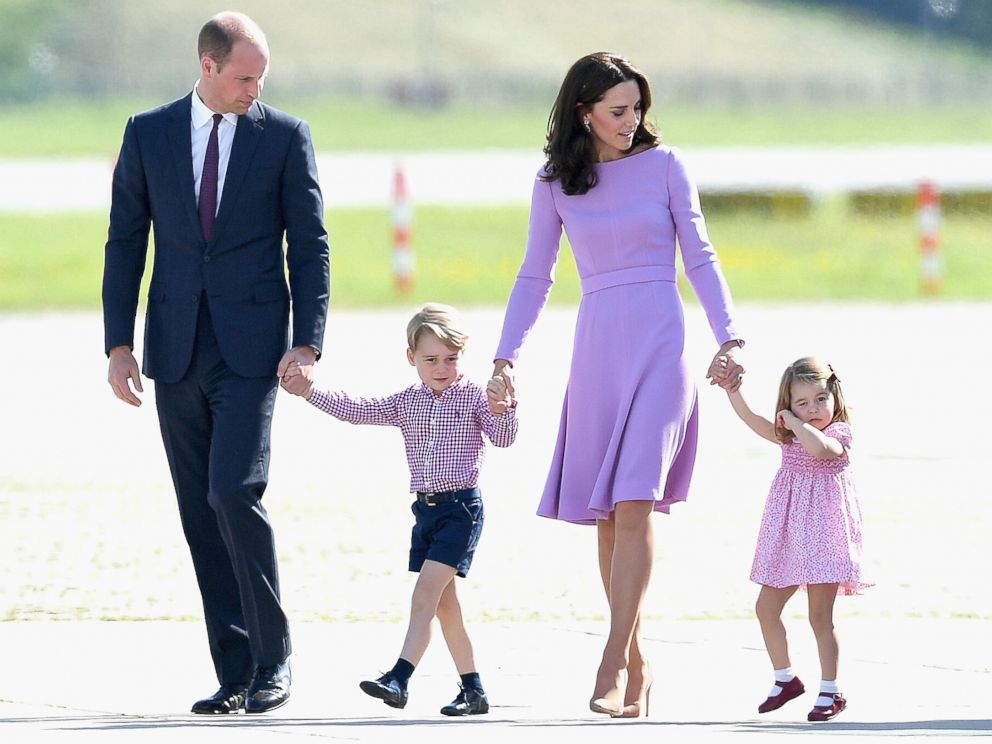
column 200, row 125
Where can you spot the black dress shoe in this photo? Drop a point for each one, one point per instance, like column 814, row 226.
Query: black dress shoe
column 228, row 699
column 468, row 703
column 388, row 689
column 269, row 688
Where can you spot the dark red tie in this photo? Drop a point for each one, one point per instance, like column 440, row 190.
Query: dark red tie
column 208, row 182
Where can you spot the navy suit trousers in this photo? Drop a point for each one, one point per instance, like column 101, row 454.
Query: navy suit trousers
column 216, row 428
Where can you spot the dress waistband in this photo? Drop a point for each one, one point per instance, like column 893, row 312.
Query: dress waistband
column 632, row 275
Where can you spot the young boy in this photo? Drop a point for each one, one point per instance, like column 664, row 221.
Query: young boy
column 442, row 421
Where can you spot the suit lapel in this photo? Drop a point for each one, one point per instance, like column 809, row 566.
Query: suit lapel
column 246, row 138
column 182, row 159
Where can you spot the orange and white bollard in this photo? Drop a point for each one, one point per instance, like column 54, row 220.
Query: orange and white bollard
column 928, row 217
column 402, row 221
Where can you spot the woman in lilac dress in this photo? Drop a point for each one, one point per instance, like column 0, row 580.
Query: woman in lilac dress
column 627, row 439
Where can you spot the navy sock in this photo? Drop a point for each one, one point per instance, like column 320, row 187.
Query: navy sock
column 472, row 681
column 402, row 671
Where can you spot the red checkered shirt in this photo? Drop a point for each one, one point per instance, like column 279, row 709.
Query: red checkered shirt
column 443, row 433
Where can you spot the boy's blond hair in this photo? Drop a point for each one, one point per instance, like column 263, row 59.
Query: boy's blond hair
column 441, row 320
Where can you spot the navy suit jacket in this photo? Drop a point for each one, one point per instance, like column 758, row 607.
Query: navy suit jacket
column 270, row 190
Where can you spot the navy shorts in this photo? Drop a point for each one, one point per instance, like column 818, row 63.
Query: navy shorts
column 447, row 533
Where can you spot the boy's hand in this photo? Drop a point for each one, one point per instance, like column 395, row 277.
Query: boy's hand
column 498, row 395
column 297, row 381
column 502, row 368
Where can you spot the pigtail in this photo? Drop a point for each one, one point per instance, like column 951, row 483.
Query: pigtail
column 841, row 412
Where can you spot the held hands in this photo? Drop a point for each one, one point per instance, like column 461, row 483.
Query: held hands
column 725, row 370
column 295, row 370
column 500, row 390
column 498, row 395
column 502, row 368
column 124, row 372
column 298, row 379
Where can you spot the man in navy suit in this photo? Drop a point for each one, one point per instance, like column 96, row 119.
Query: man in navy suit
column 221, row 178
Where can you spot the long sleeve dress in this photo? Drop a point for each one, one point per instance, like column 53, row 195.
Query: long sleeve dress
column 629, row 421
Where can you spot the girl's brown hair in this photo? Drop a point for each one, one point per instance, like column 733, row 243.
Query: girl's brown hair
column 808, row 370
column 570, row 149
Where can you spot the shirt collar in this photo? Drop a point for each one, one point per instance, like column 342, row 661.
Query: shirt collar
column 201, row 113
column 448, row 391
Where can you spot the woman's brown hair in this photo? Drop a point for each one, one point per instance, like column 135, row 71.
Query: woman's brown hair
column 570, row 149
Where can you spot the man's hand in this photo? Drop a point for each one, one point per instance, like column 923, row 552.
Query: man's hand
column 305, row 356
column 123, row 368
column 296, row 382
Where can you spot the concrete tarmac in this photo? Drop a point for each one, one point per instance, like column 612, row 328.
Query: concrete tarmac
column 135, row 681
column 100, row 640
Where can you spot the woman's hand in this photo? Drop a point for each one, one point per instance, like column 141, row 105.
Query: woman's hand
column 498, row 396
column 502, row 368
column 725, row 370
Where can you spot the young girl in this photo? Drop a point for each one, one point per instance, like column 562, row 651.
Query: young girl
column 810, row 532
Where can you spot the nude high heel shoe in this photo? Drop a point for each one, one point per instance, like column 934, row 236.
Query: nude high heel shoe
column 610, row 702
column 639, row 706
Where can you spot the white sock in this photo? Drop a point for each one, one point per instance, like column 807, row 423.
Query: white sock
column 828, row 688
column 781, row 677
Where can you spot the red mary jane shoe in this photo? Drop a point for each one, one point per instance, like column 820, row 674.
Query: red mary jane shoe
column 826, row 712
column 790, row 690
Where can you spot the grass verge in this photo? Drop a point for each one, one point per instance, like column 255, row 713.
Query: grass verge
column 469, row 256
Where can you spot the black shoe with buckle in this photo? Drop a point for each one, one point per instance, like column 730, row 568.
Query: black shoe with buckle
column 388, row 689
column 468, row 703
column 269, row 688
column 228, row 699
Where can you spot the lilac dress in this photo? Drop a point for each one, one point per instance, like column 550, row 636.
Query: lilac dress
column 811, row 528
column 629, row 421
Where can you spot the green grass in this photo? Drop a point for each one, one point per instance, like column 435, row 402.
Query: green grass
column 834, row 256
column 68, row 128
column 51, row 261
column 469, row 256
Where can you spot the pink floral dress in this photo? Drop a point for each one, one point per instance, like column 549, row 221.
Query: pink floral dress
column 811, row 528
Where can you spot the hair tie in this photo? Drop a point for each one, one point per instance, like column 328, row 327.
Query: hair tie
column 833, row 375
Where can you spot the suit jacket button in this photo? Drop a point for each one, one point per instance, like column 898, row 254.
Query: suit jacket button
column 206, row 259
column 196, row 298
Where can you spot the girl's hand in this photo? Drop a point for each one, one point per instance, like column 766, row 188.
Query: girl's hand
column 498, row 395
column 786, row 419
column 724, row 370
column 717, row 370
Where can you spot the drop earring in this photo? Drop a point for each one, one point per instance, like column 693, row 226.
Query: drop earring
column 587, row 125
